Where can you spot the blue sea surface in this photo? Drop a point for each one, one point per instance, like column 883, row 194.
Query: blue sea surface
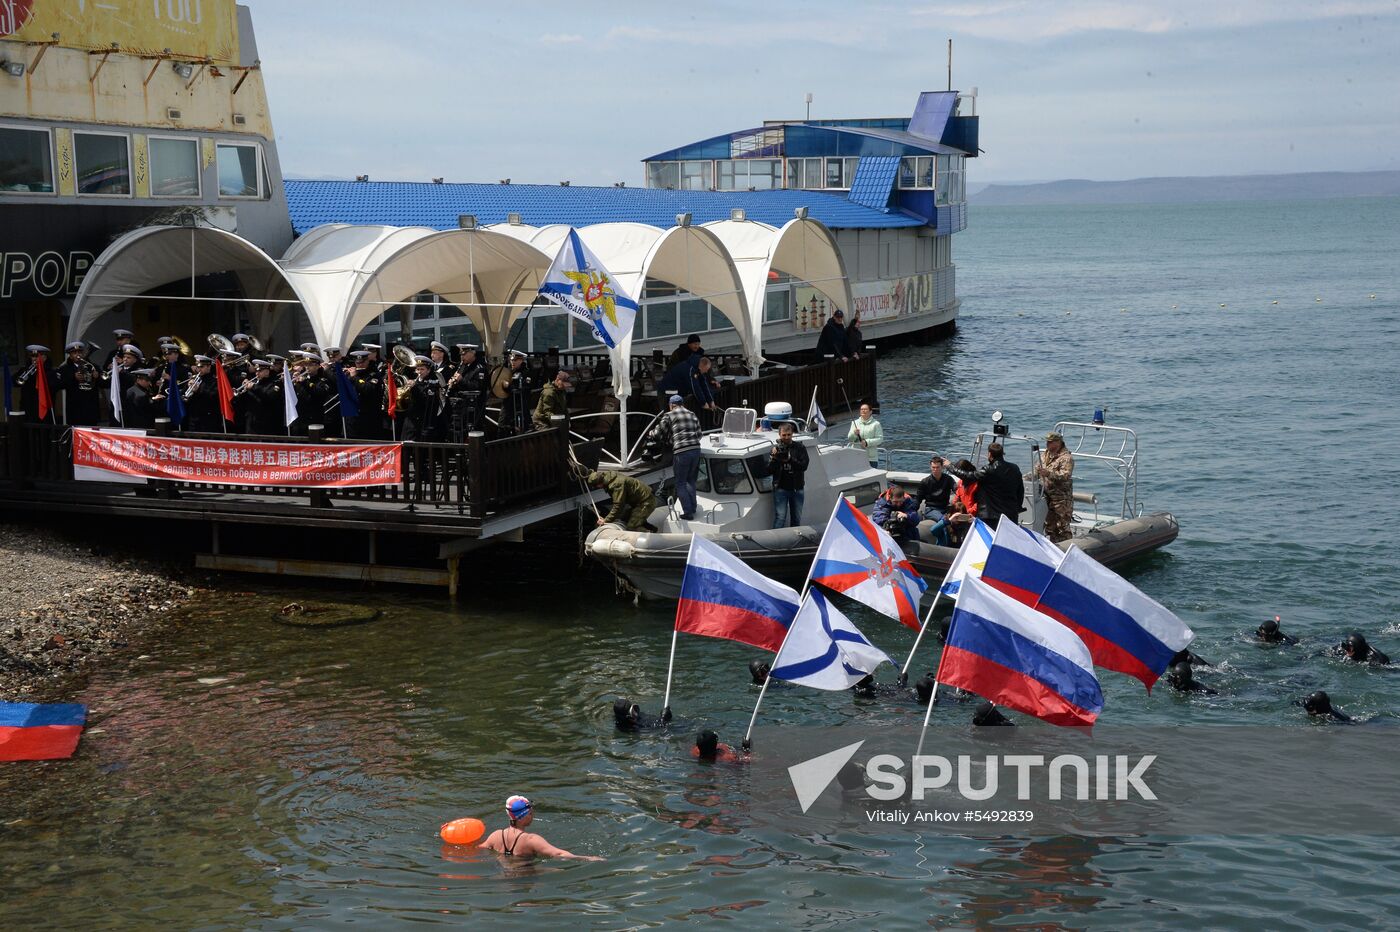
column 253, row 775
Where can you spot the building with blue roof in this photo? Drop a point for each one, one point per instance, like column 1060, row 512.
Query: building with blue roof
column 890, row 189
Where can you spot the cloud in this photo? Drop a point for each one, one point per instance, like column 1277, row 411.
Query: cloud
column 560, row 38
column 1027, row 21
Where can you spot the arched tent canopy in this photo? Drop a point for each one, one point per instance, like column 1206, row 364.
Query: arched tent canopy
column 490, row 276
column 803, row 249
column 151, row 257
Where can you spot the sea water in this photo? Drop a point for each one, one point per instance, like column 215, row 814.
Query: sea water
column 252, row 775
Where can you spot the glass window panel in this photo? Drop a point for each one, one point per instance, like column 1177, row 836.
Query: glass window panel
column 516, row 338
column 458, row 331
column 851, row 171
column 550, row 330
column 583, row 335
column 906, row 172
column 103, row 164
column 702, row 478
column 174, row 167
column 925, row 176
column 424, row 309
column 391, row 316
column 777, row 305
column 695, row 316
column 814, row 173
column 730, row 477
column 695, row 176
column 763, row 174
column 663, row 175
column 794, row 173
column 26, row 162
column 833, row 174
column 661, row 320
column 238, row 171
column 724, row 175
column 655, row 288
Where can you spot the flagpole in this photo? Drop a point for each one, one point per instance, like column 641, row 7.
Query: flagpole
column 932, row 698
column 748, row 735
column 807, row 583
column 904, row 672
column 670, row 667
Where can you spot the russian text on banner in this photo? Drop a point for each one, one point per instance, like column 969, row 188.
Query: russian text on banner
column 860, row 559
column 721, row 597
column 1125, row 630
column 1016, row 657
column 824, row 649
column 30, row 731
column 225, row 462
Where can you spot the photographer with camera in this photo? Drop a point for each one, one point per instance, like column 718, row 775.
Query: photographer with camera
column 897, row 513
column 787, row 464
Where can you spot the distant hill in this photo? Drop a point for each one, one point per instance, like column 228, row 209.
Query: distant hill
column 1307, row 185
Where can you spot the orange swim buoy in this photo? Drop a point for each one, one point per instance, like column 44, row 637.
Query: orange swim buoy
column 462, row 831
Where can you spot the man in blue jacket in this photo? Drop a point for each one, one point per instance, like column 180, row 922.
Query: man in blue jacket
column 897, row 514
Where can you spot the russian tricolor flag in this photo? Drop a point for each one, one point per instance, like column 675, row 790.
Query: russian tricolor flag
column 1020, row 562
column 29, row 731
column 723, row 598
column 1124, row 630
column 1016, row 657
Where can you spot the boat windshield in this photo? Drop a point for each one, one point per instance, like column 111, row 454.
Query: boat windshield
column 728, row 476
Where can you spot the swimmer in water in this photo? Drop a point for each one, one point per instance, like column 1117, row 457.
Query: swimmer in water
column 865, row 688
column 1319, row 705
column 989, row 714
column 923, row 690
column 758, row 671
column 1179, row 678
column 1270, row 633
column 514, row 841
column 627, row 716
column 708, row 749
column 1355, row 649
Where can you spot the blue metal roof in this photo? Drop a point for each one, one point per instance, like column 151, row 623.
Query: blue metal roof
column 874, row 180
column 403, row 203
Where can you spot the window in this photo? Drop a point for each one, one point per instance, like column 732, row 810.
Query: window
column 174, row 167
column 26, row 161
column 663, row 175
column 851, row 165
column 729, row 476
column 239, row 172
column 794, row 173
column 550, row 330
column 103, row 163
column 835, row 178
column 777, row 305
column 462, row 331
column 814, row 173
column 765, row 174
column 583, row 335
column 724, row 175
column 758, row 465
column 924, row 178
column 695, row 176
column 906, row 172
column 695, row 317
column 661, row 320
column 702, row 478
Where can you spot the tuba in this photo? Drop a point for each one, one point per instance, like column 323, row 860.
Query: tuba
column 221, row 344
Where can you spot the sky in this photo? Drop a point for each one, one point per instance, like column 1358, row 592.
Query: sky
column 544, row 92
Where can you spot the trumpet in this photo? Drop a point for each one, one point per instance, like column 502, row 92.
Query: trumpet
column 247, row 384
column 192, row 385
column 26, row 374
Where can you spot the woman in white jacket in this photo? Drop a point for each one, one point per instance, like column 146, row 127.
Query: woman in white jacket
column 867, row 434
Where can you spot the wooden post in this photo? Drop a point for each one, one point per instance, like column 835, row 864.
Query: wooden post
column 17, row 439
column 476, row 453
column 454, row 563
column 560, row 424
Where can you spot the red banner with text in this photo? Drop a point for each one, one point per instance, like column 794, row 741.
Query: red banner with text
column 232, row 462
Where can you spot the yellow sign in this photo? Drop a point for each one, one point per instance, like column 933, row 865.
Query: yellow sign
column 188, row 28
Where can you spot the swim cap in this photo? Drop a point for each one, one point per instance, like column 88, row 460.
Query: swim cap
column 518, row 807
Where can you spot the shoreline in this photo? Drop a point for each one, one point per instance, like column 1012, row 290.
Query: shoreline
column 72, row 606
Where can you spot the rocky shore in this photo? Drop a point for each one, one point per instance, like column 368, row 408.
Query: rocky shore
column 67, row 604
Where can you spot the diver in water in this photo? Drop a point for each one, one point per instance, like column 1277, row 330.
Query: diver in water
column 989, row 714
column 1319, row 705
column 1270, row 633
column 1179, row 678
column 758, row 671
column 1355, row 649
column 627, row 716
column 923, row 690
column 1186, row 656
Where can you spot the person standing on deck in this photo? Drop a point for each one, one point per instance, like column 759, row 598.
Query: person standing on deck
column 832, row 341
column 1056, row 472
column 867, row 434
column 681, row 429
column 553, row 400
column 1000, row 488
column 787, row 464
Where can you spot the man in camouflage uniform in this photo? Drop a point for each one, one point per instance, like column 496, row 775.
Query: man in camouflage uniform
column 554, row 400
column 1056, row 472
column 632, row 500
